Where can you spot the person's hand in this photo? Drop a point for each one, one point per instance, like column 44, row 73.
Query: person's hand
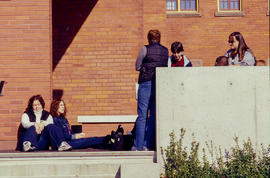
column 37, row 128
column 41, row 126
column 79, row 135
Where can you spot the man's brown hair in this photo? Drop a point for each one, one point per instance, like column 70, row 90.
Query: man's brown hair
column 154, row 36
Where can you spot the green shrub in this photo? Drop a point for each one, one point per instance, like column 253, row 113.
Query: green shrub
column 237, row 163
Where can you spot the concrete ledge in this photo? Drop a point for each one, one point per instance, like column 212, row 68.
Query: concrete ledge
column 107, row 119
column 140, row 170
column 51, row 154
column 75, row 164
column 184, row 14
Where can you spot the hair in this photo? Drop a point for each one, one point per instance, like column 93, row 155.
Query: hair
column 221, row 62
column 54, row 108
column 31, row 101
column 242, row 47
column 153, row 36
column 177, row 47
column 260, row 61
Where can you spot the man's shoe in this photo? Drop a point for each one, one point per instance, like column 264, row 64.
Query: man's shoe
column 64, row 146
column 133, row 148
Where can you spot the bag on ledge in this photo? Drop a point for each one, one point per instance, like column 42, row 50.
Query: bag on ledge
column 120, row 142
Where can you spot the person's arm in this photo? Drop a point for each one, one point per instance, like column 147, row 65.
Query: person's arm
column 26, row 121
column 140, row 58
column 170, row 62
column 79, row 135
column 248, row 59
column 48, row 121
column 189, row 64
column 68, row 134
column 227, row 54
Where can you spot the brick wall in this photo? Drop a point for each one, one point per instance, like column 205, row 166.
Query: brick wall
column 24, row 61
column 85, row 51
column 96, row 74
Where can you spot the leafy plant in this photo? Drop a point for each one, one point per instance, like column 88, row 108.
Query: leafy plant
column 237, row 163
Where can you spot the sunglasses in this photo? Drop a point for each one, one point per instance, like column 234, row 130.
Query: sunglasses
column 230, row 41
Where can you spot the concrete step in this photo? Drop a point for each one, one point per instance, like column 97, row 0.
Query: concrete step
column 78, row 164
column 69, row 169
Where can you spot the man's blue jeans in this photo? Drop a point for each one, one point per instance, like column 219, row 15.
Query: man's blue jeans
column 145, row 127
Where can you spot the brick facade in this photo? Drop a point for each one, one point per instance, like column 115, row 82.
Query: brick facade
column 25, row 64
column 85, row 51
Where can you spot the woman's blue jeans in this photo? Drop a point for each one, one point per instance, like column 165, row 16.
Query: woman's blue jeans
column 42, row 141
column 145, row 126
column 89, row 142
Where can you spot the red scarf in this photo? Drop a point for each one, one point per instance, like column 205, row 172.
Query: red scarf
column 178, row 63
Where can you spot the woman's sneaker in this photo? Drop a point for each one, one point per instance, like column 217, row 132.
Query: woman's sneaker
column 64, row 146
column 27, row 146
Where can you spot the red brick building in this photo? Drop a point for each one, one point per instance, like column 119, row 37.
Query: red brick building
column 85, row 50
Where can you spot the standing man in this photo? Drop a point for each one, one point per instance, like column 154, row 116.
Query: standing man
column 150, row 56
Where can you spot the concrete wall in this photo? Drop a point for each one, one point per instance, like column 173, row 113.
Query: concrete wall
column 214, row 103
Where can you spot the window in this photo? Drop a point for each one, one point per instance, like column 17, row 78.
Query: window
column 229, row 8
column 182, row 5
column 188, row 5
column 172, row 5
column 228, row 5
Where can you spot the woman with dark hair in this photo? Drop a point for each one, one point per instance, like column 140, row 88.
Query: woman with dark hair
column 239, row 54
column 178, row 59
column 76, row 140
column 37, row 129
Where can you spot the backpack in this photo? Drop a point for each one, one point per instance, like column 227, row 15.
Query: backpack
column 117, row 141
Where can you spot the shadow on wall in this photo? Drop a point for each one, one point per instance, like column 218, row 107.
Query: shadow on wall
column 67, row 18
column 57, row 94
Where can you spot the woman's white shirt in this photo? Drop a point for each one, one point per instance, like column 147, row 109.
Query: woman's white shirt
column 26, row 121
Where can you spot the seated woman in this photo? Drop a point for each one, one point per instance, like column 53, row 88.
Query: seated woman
column 239, row 54
column 37, row 128
column 178, row 59
column 77, row 141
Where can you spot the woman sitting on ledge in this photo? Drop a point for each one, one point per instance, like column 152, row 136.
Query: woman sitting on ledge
column 77, row 141
column 37, row 128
